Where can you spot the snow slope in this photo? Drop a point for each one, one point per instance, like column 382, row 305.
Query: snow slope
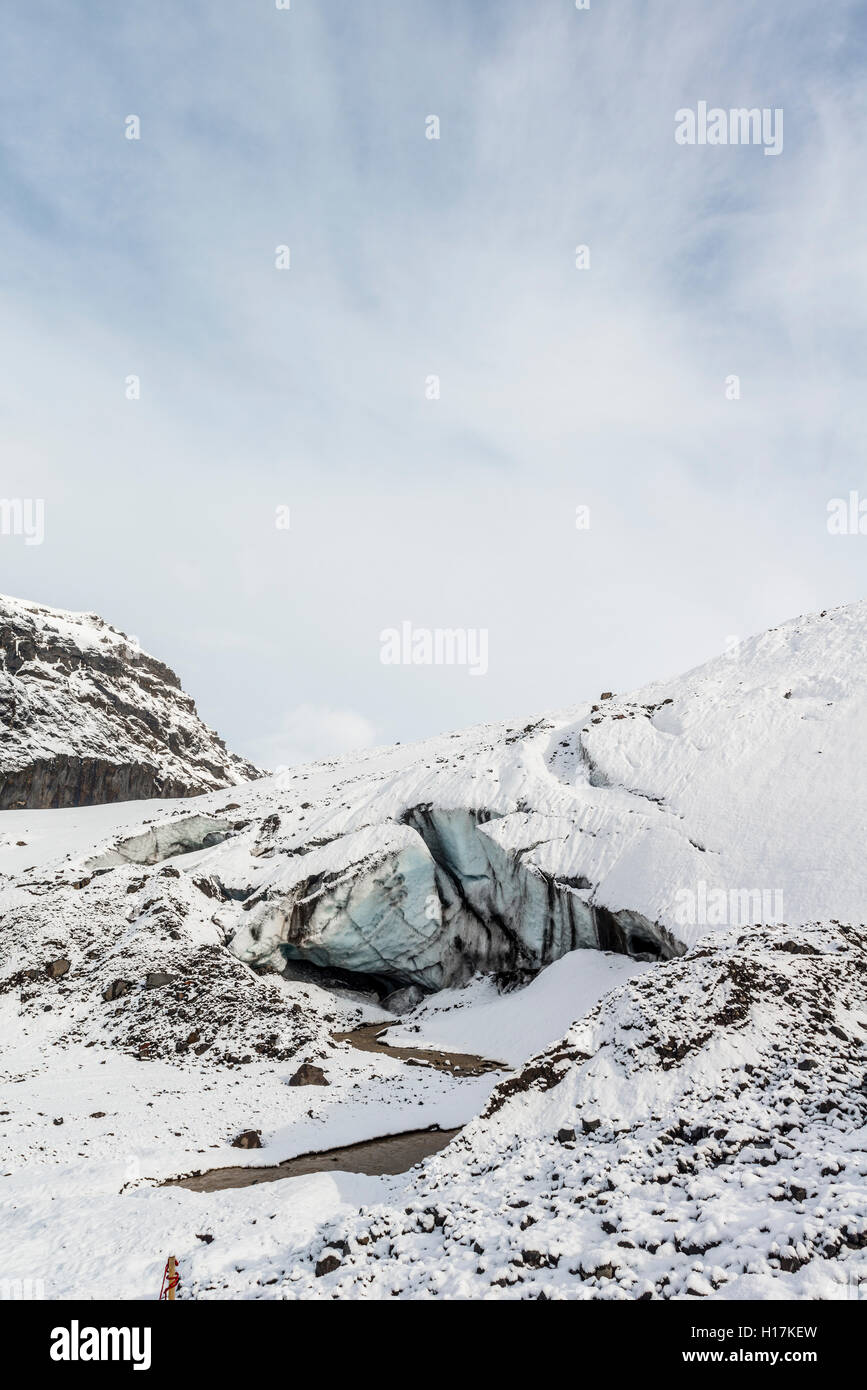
column 480, row 1019
column 727, row 1078
column 701, row 1132
column 733, row 794
column 105, row 1093
column 86, row 716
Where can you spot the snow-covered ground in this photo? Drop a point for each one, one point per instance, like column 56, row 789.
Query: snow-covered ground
column 512, row 1027
column 144, row 1022
column 30, row 839
column 701, row 1132
column 98, row 1105
column 81, row 1209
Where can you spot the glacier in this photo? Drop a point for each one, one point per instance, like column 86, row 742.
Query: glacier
column 503, row 847
column 444, row 902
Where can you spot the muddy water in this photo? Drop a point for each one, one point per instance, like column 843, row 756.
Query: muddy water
column 370, row 1037
column 395, row 1153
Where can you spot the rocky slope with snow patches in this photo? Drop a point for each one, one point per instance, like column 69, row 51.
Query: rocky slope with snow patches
column 87, row 717
column 139, row 965
column 701, row 1132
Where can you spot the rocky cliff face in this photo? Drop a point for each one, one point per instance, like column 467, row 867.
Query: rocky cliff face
column 87, row 717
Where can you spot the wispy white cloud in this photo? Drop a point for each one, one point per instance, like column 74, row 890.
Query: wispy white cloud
column 410, row 257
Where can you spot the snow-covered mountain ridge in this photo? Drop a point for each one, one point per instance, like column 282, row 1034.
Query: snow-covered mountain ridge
column 733, row 794
column 86, row 716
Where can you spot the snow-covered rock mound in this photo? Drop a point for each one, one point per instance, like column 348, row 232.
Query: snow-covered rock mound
column 139, row 965
column 735, row 794
column 701, row 1132
column 87, row 717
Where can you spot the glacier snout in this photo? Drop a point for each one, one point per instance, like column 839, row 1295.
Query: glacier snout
column 439, row 901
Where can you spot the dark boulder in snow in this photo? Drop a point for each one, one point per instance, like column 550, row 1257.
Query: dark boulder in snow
column 403, row 1001
column 157, row 978
column 250, row 1139
column 116, row 990
column 308, row 1075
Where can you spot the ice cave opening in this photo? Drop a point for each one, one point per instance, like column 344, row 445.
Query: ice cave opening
column 441, row 904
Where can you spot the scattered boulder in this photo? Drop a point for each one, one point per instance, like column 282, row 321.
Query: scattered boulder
column 565, row 1136
column 308, row 1075
column 157, row 978
column 55, row 969
column 538, row 1259
column 116, row 990
column 327, row 1265
column 249, row 1139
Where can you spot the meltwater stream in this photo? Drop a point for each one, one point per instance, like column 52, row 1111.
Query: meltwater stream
column 394, row 1153
column 391, row 1153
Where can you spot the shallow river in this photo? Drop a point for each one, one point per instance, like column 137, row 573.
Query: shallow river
column 394, row 1153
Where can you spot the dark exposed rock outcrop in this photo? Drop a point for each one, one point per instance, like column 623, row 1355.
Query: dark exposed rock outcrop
column 87, row 717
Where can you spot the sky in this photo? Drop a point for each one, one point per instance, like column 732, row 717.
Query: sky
column 438, row 379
